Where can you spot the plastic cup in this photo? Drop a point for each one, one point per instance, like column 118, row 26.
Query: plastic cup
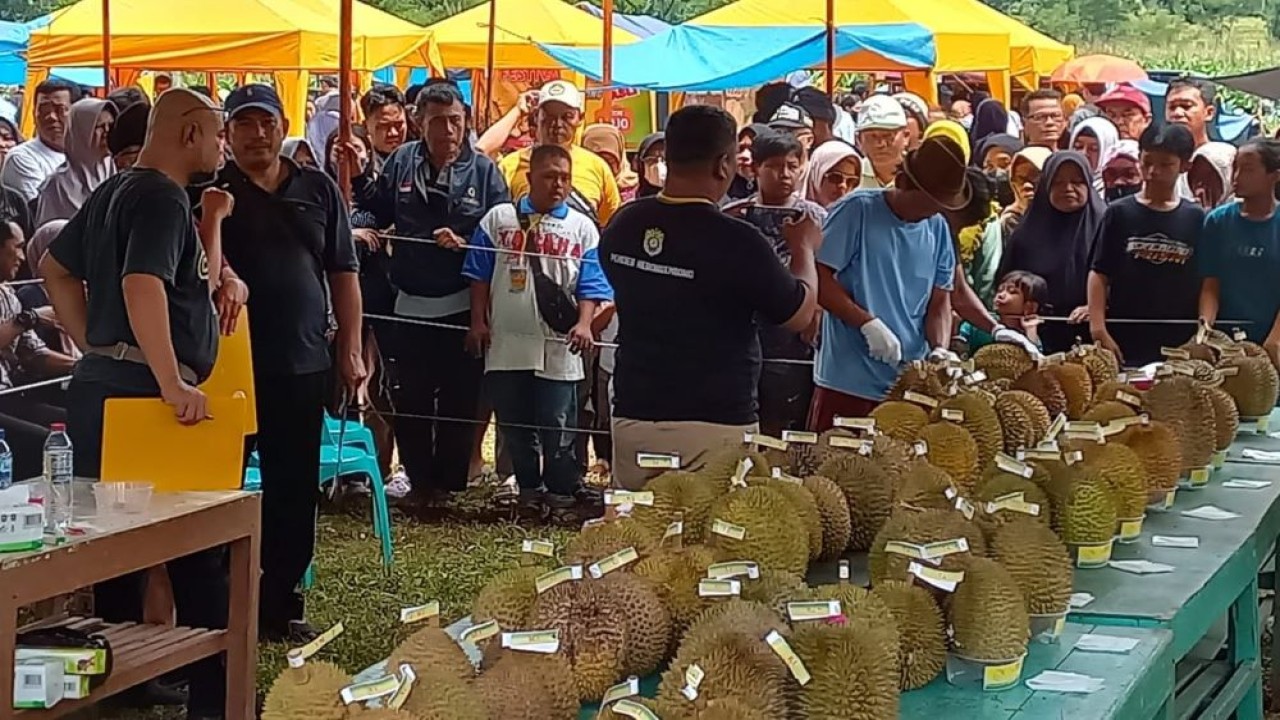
column 122, row 498
column 985, row 675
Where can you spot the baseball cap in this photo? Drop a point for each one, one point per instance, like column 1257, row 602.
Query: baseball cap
column 1126, row 94
column 561, row 91
column 915, row 102
column 253, row 97
column 790, row 117
column 881, row 112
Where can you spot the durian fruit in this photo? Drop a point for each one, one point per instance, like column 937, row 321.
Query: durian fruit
column 1038, row 562
column 979, row 417
column 1226, row 418
column 921, row 377
column 529, row 686
column 1254, row 386
column 720, row 465
column 1186, row 407
column 606, row 538
column 772, row 538
column 895, row 457
column 999, row 484
column 927, row 487
column 310, row 691
column 1099, row 362
column 824, row 450
column 1024, row 419
column 1123, row 471
column 648, row 624
column 735, row 665
column 729, row 616
column 509, row 597
column 805, row 508
column 952, row 448
column 833, row 510
column 1046, row 388
column 857, row 603
column 921, row 528
column 854, row 670
column 442, row 697
column 677, row 494
column 1076, row 385
column 675, row 574
column 1107, row 412
column 922, row 638
column 987, row 614
column 607, row 712
column 1156, row 444
column 593, row 633
column 775, row 589
column 1003, row 360
column 433, row 648
column 1088, row 513
column 1201, row 371
column 867, row 490
column 900, row 419
column 1110, row 391
column 1202, row 351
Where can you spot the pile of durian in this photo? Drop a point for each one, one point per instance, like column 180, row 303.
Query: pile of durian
column 974, row 492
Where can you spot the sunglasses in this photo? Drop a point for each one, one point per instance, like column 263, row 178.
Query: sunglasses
column 839, row 178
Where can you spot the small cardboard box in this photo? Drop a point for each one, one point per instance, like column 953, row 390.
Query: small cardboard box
column 75, row 661
column 21, row 528
column 75, row 687
column 37, row 684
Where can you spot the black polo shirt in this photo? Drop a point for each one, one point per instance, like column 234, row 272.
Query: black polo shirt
column 283, row 245
column 139, row 222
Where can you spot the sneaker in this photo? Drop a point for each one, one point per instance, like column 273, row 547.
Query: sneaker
column 398, row 485
column 508, row 487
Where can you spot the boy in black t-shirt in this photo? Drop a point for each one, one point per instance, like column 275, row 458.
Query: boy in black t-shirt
column 1143, row 255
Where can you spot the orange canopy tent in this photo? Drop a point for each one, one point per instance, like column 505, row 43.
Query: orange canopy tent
column 288, row 38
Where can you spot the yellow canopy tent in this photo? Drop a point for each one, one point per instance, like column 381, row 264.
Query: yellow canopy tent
column 1033, row 54
column 289, row 38
column 464, row 38
column 965, row 42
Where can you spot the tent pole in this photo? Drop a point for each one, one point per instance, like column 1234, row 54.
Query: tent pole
column 344, row 93
column 106, row 45
column 831, row 48
column 606, row 63
column 488, row 65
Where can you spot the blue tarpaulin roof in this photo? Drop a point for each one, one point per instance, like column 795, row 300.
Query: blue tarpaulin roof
column 708, row 58
column 641, row 26
column 13, row 56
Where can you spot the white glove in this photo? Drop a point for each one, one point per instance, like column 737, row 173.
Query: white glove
column 1003, row 334
column 942, row 355
column 883, row 344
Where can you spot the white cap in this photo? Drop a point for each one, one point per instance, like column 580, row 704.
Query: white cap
column 913, row 101
column 881, row 112
column 561, row 91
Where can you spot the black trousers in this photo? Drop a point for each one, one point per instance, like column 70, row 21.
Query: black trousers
column 200, row 581
column 432, row 374
column 290, row 418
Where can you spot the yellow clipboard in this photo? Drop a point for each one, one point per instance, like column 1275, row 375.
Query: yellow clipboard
column 143, row 441
column 233, row 371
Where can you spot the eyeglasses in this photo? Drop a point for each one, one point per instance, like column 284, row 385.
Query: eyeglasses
column 839, row 178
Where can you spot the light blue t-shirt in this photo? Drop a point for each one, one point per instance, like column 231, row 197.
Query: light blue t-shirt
column 1244, row 255
column 890, row 268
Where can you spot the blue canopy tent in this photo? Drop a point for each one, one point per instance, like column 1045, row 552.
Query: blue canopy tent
column 709, row 58
column 13, row 57
column 642, row 26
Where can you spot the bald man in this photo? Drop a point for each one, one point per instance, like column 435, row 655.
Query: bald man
column 148, row 328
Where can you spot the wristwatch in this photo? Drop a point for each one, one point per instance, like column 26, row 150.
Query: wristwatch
column 27, row 319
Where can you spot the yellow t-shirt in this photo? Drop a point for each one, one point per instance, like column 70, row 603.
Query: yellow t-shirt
column 592, row 178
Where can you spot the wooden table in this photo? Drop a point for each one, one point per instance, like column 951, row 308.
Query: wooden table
column 176, row 525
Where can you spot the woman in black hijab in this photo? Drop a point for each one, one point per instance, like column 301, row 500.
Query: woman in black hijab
column 650, row 163
column 989, row 118
column 1055, row 241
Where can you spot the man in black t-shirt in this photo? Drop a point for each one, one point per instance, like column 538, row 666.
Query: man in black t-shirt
column 1144, row 255
column 689, row 282
column 148, row 329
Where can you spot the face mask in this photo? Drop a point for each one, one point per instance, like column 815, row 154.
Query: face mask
column 1121, row 191
column 656, row 174
column 999, row 180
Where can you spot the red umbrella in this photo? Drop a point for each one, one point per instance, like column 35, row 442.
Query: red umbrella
column 1098, row 69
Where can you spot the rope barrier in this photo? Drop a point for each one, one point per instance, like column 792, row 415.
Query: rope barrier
column 484, row 248
column 474, row 421
column 31, row 386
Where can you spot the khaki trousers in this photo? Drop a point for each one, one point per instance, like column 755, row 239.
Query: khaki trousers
column 692, row 441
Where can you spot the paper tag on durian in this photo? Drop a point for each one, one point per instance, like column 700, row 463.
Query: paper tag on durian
column 844, row 570
column 1059, row 424
column 1173, row 353
column 965, row 507
column 1043, row 455
column 480, row 633
column 565, row 574
column 778, row 474
column 1073, row 457
column 674, row 529
column 623, row 497
column 866, row 424
column 658, row 461
column 921, row 447
column 1129, row 399
column 1202, row 333
column 734, row 569
column 944, row 580
column 953, row 415
column 411, row 615
column 802, row 437
column 1013, row 502
column 975, row 378
column 951, row 492
column 919, row 399
column 943, row 548
column 719, row 588
column 1180, row 369
column 546, row 642
column 693, row 677
column 407, row 678
column 633, row 710
column 779, row 645
column 365, row 691
column 625, row 689
column 616, row 561
column 1013, row 466
column 727, row 529
column 863, row 446
column 739, row 478
column 1227, row 372
column 1239, row 335
column 543, row 548
column 298, row 656
column 764, row 441
column 905, row 549
column 814, row 610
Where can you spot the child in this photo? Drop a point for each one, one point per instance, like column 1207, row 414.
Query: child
column 1017, row 304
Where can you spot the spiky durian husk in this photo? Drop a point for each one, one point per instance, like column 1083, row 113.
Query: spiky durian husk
column 1003, row 360
column 980, row 419
column 900, row 419
column 921, row 528
column 805, row 508
column 833, row 508
column 1185, row 406
column 1108, row 411
column 922, row 638
column 529, row 686
column 1076, row 385
column 1226, row 418
column 310, row 691
column 509, row 598
column 776, row 590
column 987, row 614
column 736, row 665
column 1038, row 562
column 649, row 633
column 773, row 538
column 1046, row 388
column 1124, row 473
column 441, row 697
column 867, row 490
column 857, row 603
column 686, row 495
column 675, row 575
column 719, row 465
column 602, row 540
column 433, row 648
column 593, row 634
column 926, row 487
column 854, row 669
column 1254, row 387
column 920, row 376
column 952, row 448
column 1158, row 447
column 998, row 484
column 1088, row 512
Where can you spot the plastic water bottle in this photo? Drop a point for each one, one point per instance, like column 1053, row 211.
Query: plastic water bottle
column 6, row 463
column 58, row 474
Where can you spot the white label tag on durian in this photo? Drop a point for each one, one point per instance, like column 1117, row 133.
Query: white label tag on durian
column 365, row 691
column 739, row 478
column 777, row 474
column 1014, row 467
column 1239, row 335
column 1084, row 427
column 546, row 642
column 803, row 437
column 867, row 424
column 1129, row 399
column 735, row 569
column 953, row 415
column 950, row 493
column 298, row 656
column 919, row 399
column 905, row 549
column 719, row 588
column 480, row 633
column 1073, row 457
column 693, row 677
column 863, row 446
column 542, row 548
column 658, row 461
column 623, row 497
column 844, row 570
column 407, row 678
column 1055, row 428
column 625, row 689
column 1013, row 502
column 633, row 710
column 764, row 441
column 411, row 615
column 921, row 448
column 779, row 645
column 943, row 548
column 965, row 507
column 1227, row 372
column 944, row 580
column 814, row 610
column 674, row 529
column 1175, row 353
column 1202, row 333
column 1041, row 455
column 556, row 577
column 616, row 561
column 975, row 378
column 727, row 529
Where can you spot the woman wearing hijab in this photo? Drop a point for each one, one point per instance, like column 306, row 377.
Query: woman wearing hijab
column 606, row 140
column 994, row 155
column 325, row 121
column 989, row 118
column 1024, row 175
column 300, row 151
column 1094, row 138
column 1055, row 241
column 834, row 170
column 87, row 165
column 1210, row 174
column 1121, row 175
column 650, row 164
column 9, row 137
column 955, row 131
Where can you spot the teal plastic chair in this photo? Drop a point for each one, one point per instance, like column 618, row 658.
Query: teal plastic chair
column 356, row 434
column 355, row 461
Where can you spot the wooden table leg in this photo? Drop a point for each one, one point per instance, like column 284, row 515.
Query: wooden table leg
column 242, row 628
column 8, row 641
column 1245, row 643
